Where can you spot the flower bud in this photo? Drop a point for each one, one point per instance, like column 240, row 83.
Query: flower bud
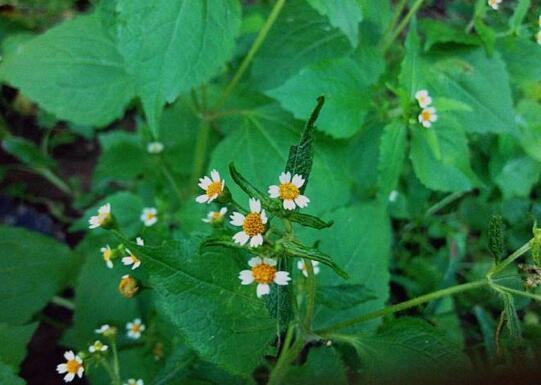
column 128, row 286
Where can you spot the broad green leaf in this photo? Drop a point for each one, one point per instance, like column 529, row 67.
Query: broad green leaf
column 172, row 46
column 343, row 14
column 439, row 32
column 8, row 376
column 13, row 351
column 487, row 34
column 392, row 151
column 73, row 71
column 342, row 83
column 410, row 70
column 529, row 123
column 522, row 57
column 343, row 296
column 35, row 268
column 408, row 350
column 300, row 37
column 202, row 296
column 27, row 152
column 323, row 366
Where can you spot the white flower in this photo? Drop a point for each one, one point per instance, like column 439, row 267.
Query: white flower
column 494, row 4
column 213, row 187
column 264, row 273
column 428, row 116
column 302, row 267
column 107, row 254
column 103, row 217
column 289, row 191
column 423, row 98
column 139, row 241
column 539, row 21
column 132, row 260
column 215, row 216
column 253, row 224
column 538, row 37
column 73, row 366
column 133, row 381
column 134, row 329
column 149, row 216
column 103, row 329
column 154, row 147
column 97, row 346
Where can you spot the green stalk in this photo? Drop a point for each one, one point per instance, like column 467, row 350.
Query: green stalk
column 116, row 368
column 310, row 295
column 285, row 359
column 526, row 294
column 261, row 36
column 55, row 180
column 413, row 10
column 170, row 178
column 405, row 305
column 200, row 154
column 503, row 264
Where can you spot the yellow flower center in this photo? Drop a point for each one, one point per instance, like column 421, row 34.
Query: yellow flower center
column 214, row 188
column 136, row 328
column 289, row 191
column 72, row 366
column 216, row 216
column 253, row 224
column 425, row 115
column 103, row 218
column 263, row 273
column 107, row 254
column 151, row 216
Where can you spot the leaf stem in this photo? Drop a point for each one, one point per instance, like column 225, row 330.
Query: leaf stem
column 261, row 36
column 503, row 264
column 413, row 10
column 55, row 180
column 116, row 368
column 170, row 178
column 526, row 294
column 200, row 153
column 310, row 294
column 285, row 359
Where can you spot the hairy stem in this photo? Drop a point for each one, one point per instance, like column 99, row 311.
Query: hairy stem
column 116, row 367
column 286, row 358
column 503, row 264
column 310, row 295
column 413, row 10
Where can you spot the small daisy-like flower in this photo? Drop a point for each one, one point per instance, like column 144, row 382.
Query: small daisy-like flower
column 134, row 329
column 106, row 330
column 133, row 381
column 253, row 224
column 132, row 260
column 139, row 241
column 428, row 116
column 539, row 21
column 264, row 273
column 103, row 218
column 72, row 367
column 494, row 4
column 107, row 254
column 215, row 216
column 154, row 147
column 149, row 216
column 538, row 37
column 423, row 98
column 213, row 187
column 289, row 191
column 97, row 346
column 128, row 286
column 302, row 267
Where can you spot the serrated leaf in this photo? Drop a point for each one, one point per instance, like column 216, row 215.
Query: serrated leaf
column 511, row 317
column 278, row 303
column 309, row 220
column 392, row 151
column 17, row 338
column 341, row 297
column 409, row 68
column 297, row 249
column 73, row 71
column 343, row 14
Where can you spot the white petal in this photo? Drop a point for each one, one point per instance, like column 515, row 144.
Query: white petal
column 237, row 219
column 92, row 349
column 241, row 238
column 302, row 201
column 298, row 180
column 270, row 261
column 256, row 240
column 105, row 209
column 433, row 117
column 61, row 368
column 255, row 261
column 285, row 177
column 212, row 198
column 139, row 241
column 246, row 277
column 316, row 270
column 136, row 265
column 137, row 321
column 202, row 198
column 262, row 289
column 205, row 182
column 300, row 265
column 69, row 377
column 215, row 175
column 223, row 210
column 127, row 261
column 274, row 191
column 426, row 124
column 288, row 204
column 69, row 355
column 263, row 216
column 80, row 371
column 281, row 278
column 255, row 205
column 421, row 94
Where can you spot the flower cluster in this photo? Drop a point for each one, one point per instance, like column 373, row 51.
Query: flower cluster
column 494, row 4
column 428, row 113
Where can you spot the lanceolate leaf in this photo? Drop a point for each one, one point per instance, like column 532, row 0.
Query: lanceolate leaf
column 247, row 187
column 309, row 220
column 392, row 151
column 297, row 249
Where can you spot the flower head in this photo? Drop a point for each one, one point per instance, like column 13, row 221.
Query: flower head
column 302, row 267
column 128, row 286
column 72, row 367
column 253, row 224
column 494, row 4
column 423, row 98
column 132, row 260
column 139, row 241
column 106, row 330
column 149, row 216
column 103, row 218
column 133, row 381
column 289, row 191
column 538, row 37
column 134, row 329
column 215, row 216
column 213, row 187
column 97, row 346
column 264, row 273
column 428, row 116
column 154, row 147
column 107, row 254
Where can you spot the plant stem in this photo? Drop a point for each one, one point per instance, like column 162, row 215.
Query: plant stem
column 200, row 153
column 503, row 264
column 54, row 179
column 170, row 178
column 65, row 303
column 406, row 305
column 536, row 297
column 310, row 294
column 396, row 16
column 413, row 10
column 116, row 368
column 261, row 36
column 285, row 359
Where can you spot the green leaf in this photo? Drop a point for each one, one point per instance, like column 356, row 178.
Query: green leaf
column 341, row 297
column 73, row 71
column 203, row 298
column 297, row 249
column 392, row 150
column 342, row 83
column 309, row 220
column 172, row 46
column 343, row 14
column 13, row 351
column 408, row 350
column 511, row 317
column 323, row 366
column 279, row 304
column 27, row 152
column 529, row 123
column 440, row 32
column 409, row 68
column 8, row 376
column 37, row 268
column 300, row 37
column 247, row 187
column 521, row 56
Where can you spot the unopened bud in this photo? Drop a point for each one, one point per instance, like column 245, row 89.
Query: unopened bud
column 128, row 286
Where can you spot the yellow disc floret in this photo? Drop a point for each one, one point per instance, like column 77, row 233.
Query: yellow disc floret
column 72, row 366
column 253, row 224
column 264, row 273
column 214, row 188
column 426, row 115
column 289, row 191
